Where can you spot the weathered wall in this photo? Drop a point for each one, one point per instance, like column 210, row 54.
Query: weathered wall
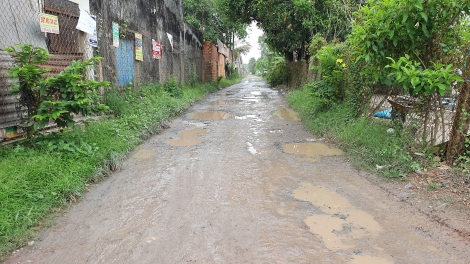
column 153, row 19
column 221, row 66
column 299, row 74
column 211, row 60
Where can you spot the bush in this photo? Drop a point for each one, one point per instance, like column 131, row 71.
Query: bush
column 278, row 72
column 172, row 88
column 54, row 98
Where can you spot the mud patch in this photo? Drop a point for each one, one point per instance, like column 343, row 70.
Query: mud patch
column 370, row 260
column 341, row 225
column 288, row 114
column 211, row 116
column 187, row 138
column 143, row 154
column 310, row 151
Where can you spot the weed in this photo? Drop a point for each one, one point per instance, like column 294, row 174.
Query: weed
column 367, row 142
column 445, row 199
column 432, row 186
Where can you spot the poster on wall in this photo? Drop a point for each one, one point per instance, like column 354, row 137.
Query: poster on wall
column 156, row 50
column 115, row 34
column 49, row 23
column 86, row 23
column 170, row 38
column 138, row 47
column 93, row 38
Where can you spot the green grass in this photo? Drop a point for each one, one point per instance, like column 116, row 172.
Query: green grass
column 35, row 182
column 366, row 141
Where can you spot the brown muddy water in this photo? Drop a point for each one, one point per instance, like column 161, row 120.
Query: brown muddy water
column 211, row 116
column 311, row 151
column 187, row 138
column 232, row 186
column 288, row 114
column 223, row 103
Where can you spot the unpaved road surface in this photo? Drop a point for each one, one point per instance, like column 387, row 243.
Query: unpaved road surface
column 238, row 179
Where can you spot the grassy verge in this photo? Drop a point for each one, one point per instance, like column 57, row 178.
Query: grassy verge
column 37, row 181
column 366, row 141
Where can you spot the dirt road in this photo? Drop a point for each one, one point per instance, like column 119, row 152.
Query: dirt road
column 238, row 179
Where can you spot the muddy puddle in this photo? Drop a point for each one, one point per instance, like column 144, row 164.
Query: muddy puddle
column 187, row 138
column 223, row 103
column 211, row 116
column 288, row 114
column 340, row 225
column 143, row 154
column 311, row 151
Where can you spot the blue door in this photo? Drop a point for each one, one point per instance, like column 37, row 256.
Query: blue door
column 125, row 61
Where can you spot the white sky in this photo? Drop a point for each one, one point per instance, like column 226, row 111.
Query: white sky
column 253, row 34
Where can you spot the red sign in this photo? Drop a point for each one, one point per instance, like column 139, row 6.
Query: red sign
column 156, row 50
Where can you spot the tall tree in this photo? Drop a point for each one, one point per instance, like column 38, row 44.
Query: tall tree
column 290, row 25
column 209, row 16
column 252, row 65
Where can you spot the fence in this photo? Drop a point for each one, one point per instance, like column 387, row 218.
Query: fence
column 140, row 41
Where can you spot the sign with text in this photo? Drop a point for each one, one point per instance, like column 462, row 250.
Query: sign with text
column 115, row 34
column 49, row 23
column 86, row 23
column 93, row 38
column 138, row 47
column 156, row 50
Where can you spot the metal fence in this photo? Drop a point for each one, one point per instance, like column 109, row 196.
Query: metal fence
column 24, row 22
column 428, row 120
column 150, row 49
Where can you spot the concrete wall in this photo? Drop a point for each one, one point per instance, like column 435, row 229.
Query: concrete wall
column 154, row 19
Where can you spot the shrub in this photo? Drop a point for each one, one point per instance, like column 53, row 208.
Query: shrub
column 57, row 97
column 278, row 72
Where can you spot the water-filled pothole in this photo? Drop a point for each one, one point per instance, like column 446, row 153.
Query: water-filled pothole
column 342, row 224
column 211, row 116
column 288, row 114
column 187, row 138
column 310, row 151
column 144, row 154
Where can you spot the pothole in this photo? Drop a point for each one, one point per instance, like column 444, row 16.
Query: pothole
column 341, row 224
column 310, row 151
column 223, row 103
column 187, row 138
column 143, row 154
column 211, row 116
column 288, row 114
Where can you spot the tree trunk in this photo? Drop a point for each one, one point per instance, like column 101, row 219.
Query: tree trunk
column 460, row 124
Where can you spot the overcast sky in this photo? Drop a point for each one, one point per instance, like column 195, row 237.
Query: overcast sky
column 253, row 34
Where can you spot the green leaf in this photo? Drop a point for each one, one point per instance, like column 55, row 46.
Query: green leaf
column 442, row 88
column 424, row 16
column 405, row 17
column 418, row 5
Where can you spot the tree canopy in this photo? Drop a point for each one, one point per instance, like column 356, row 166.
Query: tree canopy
column 290, row 25
column 210, row 17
